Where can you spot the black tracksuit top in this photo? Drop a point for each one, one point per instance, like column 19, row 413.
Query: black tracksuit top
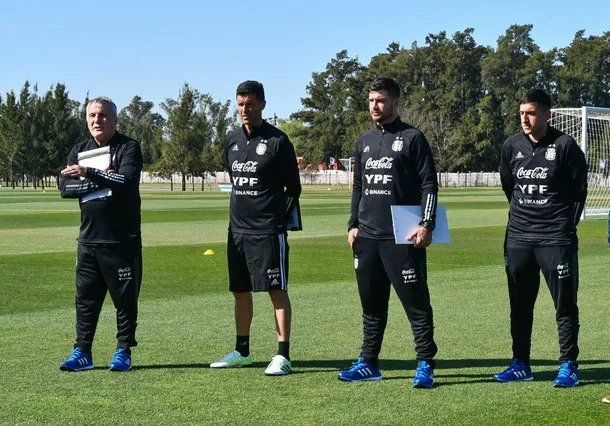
column 114, row 219
column 546, row 186
column 265, row 177
column 393, row 166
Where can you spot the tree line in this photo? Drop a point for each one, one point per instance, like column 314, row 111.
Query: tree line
column 464, row 97
column 37, row 132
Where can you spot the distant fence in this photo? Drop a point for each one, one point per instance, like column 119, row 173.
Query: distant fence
column 324, row 177
column 339, row 177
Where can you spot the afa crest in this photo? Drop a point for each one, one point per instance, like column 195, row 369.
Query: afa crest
column 397, row 144
column 261, row 148
column 550, row 153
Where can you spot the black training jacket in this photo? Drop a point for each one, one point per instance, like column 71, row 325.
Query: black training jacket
column 393, row 166
column 114, row 219
column 546, row 186
column 265, row 177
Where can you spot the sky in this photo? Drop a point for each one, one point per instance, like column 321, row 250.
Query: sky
column 121, row 49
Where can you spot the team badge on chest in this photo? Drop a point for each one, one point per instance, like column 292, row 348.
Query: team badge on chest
column 261, row 148
column 550, row 153
column 397, row 144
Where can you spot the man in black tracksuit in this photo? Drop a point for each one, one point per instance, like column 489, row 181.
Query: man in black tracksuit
column 544, row 177
column 266, row 185
column 393, row 166
column 109, row 255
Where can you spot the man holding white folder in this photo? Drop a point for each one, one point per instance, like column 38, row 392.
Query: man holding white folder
column 103, row 172
column 393, row 166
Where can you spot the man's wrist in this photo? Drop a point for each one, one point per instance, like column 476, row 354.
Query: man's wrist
column 428, row 224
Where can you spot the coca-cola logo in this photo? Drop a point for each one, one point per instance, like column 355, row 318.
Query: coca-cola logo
column 535, row 173
column 248, row 166
column 382, row 163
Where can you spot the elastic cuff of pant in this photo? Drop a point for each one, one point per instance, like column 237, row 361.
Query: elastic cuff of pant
column 371, row 359
column 83, row 346
column 526, row 361
column 431, row 362
column 125, row 346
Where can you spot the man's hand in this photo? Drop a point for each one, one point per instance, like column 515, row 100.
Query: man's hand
column 351, row 236
column 74, row 171
column 421, row 237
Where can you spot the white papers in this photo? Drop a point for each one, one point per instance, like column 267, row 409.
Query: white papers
column 95, row 158
column 406, row 218
column 98, row 158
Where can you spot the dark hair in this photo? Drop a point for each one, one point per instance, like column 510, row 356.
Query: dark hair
column 251, row 87
column 538, row 96
column 387, row 84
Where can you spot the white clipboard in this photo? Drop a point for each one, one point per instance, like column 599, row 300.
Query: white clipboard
column 98, row 158
column 406, row 218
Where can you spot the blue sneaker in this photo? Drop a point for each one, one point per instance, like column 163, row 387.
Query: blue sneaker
column 424, row 375
column 79, row 360
column 517, row 371
column 567, row 376
column 360, row 371
column 121, row 361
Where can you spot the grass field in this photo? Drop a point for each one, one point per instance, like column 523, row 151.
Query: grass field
column 186, row 322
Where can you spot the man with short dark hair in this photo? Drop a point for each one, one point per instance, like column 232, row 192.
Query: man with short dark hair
column 109, row 255
column 544, row 178
column 393, row 166
column 266, row 185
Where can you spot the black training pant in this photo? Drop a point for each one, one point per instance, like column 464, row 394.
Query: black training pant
column 559, row 265
column 379, row 264
column 107, row 268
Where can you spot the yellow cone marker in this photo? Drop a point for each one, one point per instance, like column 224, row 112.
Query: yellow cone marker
column 209, row 252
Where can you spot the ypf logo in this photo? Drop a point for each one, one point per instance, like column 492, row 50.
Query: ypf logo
column 409, row 276
column 563, row 271
column 273, row 273
column 124, row 273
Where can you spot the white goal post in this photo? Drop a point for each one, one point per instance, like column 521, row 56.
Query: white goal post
column 590, row 128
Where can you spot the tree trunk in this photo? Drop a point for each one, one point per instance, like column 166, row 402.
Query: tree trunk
column 183, row 182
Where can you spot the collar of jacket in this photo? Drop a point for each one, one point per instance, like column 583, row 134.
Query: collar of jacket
column 256, row 131
column 547, row 139
column 394, row 126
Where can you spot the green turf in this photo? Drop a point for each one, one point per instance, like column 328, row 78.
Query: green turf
column 186, row 321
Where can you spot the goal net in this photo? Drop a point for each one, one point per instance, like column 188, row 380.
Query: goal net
column 590, row 128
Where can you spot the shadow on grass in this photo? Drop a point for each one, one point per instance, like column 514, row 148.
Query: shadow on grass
column 544, row 370
column 170, row 366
